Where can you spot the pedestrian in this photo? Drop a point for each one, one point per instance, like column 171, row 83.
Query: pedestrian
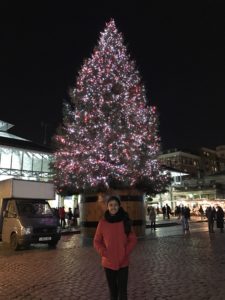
column 114, row 240
column 177, row 212
column 157, row 210
column 201, row 211
column 70, row 217
column 76, row 215
column 168, row 211
column 62, row 215
column 210, row 214
column 152, row 217
column 220, row 218
column 164, row 212
column 185, row 216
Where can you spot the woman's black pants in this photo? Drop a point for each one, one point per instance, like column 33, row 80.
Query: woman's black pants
column 117, row 282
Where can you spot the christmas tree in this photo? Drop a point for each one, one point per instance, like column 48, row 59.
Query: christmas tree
column 109, row 136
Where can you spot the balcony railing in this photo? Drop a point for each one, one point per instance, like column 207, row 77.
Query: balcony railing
column 25, row 173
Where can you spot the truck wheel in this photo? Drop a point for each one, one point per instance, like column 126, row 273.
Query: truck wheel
column 14, row 242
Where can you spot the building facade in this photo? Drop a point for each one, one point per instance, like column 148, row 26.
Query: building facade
column 202, row 163
column 21, row 158
column 205, row 181
column 180, row 160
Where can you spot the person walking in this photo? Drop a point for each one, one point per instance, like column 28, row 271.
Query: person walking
column 185, row 216
column 220, row 218
column 152, row 217
column 70, row 217
column 62, row 216
column 201, row 211
column 164, row 212
column 168, row 211
column 178, row 212
column 114, row 240
column 211, row 214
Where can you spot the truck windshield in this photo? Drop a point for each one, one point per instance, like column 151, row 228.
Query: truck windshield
column 33, row 208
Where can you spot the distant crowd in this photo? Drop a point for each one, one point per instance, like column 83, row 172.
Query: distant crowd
column 183, row 213
column 67, row 218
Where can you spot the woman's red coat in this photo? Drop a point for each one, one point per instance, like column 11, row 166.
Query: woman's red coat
column 112, row 243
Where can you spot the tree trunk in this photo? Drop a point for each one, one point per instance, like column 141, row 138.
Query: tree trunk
column 93, row 206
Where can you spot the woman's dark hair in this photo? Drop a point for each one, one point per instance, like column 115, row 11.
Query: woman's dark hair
column 116, row 198
column 121, row 215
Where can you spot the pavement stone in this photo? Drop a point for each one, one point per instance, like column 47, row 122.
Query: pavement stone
column 170, row 267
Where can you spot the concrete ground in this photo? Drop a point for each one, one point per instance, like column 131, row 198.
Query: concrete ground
column 166, row 264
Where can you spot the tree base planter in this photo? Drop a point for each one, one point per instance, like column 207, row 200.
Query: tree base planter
column 93, row 206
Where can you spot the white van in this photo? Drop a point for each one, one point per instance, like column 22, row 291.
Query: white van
column 25, row 214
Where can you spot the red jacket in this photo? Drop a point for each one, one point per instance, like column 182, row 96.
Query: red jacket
column 112, row 243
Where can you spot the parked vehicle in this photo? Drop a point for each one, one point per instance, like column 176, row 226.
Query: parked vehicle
column 25, row 214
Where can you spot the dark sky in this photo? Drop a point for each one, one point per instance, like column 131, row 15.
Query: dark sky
column 179, row 48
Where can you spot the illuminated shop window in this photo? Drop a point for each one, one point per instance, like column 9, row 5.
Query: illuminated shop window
column 37, row 162
column 6, row 155
column 17, row 159
column 28, row 164
column 45, row 163
column 27, row 161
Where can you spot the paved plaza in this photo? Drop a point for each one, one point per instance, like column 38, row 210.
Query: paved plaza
column 164, row 265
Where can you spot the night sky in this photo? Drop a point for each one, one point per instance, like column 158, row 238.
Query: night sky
column 179, row 49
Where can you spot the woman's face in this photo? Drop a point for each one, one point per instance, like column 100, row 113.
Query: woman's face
column 113, row 207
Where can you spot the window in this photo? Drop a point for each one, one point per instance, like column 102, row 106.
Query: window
column 16, row 159
column 45, row 164
column 6, row 155
column 11, row 210
column 27, row 161
column 34, row 208
column 37, row 162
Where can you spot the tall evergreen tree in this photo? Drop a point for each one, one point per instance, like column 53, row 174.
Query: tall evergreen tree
column 109, row 136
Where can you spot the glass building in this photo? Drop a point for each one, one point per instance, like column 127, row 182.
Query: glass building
column 21, row 158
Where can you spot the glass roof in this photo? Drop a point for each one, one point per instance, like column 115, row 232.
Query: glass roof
column 11, row 136
column 4, row 127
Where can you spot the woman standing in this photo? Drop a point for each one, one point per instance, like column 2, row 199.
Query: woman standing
column 114, row 240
